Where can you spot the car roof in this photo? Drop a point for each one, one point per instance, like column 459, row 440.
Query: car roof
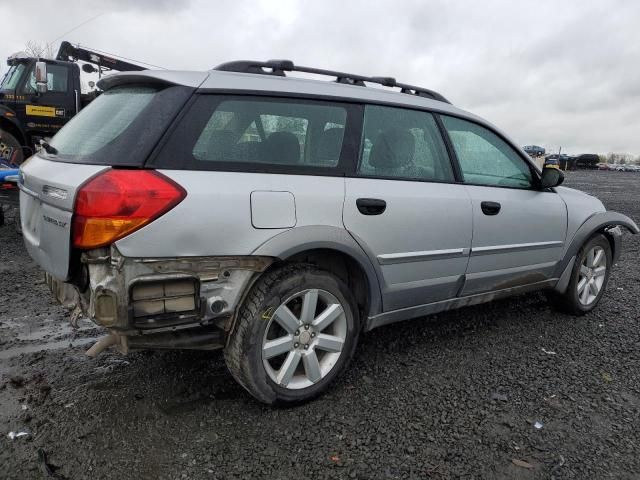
column 252, row 82
column 229, row 82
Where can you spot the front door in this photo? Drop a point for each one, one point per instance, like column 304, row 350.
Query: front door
column 405, row 210
column 518, row 230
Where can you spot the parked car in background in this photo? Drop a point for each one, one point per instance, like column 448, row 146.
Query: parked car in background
column 279, row 218
column 587, row 160
column 603, row 166
column 534, row 150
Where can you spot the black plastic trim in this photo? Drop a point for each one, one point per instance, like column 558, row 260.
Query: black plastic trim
column 595, row 223
column 279, row 67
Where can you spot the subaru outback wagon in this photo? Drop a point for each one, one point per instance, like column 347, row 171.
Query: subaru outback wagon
column 279, row 217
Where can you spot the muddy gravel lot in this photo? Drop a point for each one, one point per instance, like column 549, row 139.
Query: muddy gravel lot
column 511, row 389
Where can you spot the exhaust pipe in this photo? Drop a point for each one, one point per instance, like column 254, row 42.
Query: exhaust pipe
column 102, row 344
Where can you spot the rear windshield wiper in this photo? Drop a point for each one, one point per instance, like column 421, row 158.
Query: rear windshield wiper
column 48, row 148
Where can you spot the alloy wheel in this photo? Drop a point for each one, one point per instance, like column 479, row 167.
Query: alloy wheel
column 592, row 275
column 304, row 339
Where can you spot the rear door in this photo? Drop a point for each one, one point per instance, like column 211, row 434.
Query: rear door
column 518, row 230
column 405, row 210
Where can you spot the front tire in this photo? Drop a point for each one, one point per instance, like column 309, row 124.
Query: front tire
column 295, row 333
column 10, row 149
column 589, row 278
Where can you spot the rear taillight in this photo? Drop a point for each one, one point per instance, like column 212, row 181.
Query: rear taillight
column 118, row 202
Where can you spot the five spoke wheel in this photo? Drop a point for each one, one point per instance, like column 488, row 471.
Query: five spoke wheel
column 304, row 339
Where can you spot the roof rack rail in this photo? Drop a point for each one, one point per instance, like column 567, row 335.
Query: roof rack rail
column 279, row 67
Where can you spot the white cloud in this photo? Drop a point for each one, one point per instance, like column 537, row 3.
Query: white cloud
column 548, row 73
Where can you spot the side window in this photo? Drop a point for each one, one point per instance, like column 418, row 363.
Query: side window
column 281, row 132
column 402, row 143
column 486, row 159
column 57, row 79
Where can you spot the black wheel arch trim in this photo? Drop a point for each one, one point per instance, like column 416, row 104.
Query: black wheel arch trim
column 599, row 222
column 314, row 237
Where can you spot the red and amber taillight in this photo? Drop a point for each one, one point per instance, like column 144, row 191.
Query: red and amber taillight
column 118, row 202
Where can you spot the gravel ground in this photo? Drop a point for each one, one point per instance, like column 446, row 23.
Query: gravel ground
column 457, row 395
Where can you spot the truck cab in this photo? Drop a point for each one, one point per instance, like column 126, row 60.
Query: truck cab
column 27, row 114
column 38, row 96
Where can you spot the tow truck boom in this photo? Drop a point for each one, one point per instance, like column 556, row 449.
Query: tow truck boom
column 69, row 53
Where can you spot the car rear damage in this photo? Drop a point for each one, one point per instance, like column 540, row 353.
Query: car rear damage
column 181, row 302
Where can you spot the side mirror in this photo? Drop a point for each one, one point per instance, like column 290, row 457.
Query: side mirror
column 41, row 77
column 551, row 177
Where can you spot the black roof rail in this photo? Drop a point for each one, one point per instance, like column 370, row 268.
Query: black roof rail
column 279, row 67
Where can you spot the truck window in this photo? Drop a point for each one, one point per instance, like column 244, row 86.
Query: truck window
column 57, row 79
column 12, row 77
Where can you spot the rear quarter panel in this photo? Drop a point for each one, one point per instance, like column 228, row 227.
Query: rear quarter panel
column 215, row 217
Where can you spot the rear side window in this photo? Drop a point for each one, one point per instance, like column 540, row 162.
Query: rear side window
column 120, row 127
column 257, row 134
column 403, row 144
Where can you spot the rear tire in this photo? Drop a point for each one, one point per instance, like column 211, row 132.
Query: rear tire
column 589, row 278
column 295, row 333
column 10, row 148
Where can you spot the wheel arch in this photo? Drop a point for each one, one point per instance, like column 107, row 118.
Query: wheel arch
column 605, row 223
column 10, row 125
column 334, row 250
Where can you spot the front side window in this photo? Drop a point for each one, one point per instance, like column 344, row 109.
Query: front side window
column 403, row 144
column 486, row 159
column 227, row 132
column 57, row 78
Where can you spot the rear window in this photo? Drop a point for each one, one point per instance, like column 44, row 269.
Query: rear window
column 120, row 127
column 257, row 134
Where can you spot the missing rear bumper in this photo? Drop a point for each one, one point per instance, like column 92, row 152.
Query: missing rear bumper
column 170, row 302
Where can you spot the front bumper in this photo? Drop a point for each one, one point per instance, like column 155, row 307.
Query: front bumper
column 182, row 302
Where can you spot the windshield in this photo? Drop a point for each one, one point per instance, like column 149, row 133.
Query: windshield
column 12, row 77
column 120, row 127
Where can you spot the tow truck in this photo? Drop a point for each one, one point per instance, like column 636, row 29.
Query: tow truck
column 38, row 96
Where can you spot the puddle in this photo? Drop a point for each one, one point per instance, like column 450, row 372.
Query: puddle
column 15, row 351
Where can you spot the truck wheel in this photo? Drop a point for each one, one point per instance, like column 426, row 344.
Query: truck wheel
column 295, row 332
column 10, row 148
column 589, row 278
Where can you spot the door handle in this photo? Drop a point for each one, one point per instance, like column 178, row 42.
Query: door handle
column 490, row 208
column 371, row 206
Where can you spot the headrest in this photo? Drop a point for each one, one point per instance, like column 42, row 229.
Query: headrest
column 393, row 148
column 281, row 147
column 330, row 145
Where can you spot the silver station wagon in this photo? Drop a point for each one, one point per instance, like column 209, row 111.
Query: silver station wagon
column 279, row 217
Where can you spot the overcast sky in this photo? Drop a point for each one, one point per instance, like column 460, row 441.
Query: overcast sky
column 548, row 73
